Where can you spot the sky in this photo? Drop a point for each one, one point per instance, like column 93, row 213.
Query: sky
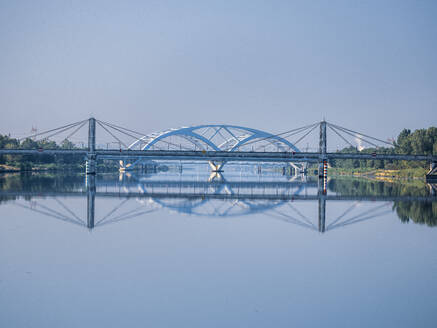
column 273, row 65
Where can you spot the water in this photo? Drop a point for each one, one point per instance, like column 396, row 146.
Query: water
column 248, row 249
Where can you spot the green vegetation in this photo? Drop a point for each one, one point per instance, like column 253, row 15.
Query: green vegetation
column 382, row 174
column 37, row 162
column 44, row 162
column 422, row 141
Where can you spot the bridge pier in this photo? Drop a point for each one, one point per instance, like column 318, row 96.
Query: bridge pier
column 90, row 166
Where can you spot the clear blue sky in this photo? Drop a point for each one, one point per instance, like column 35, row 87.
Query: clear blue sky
column 273, row 65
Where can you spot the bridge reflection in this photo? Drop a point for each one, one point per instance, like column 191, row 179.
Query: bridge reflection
column 189, row 195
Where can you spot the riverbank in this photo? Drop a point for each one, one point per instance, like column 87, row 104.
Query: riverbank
column 54, row 167
column 39, row 168
column 380, row 174
column 8, row 168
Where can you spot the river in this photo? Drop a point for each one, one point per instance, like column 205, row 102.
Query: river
column 177, row 247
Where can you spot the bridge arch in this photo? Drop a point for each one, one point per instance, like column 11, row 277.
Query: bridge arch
column 214, row 137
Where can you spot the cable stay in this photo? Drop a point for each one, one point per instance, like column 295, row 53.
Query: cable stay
column 119, row 141
column 194, row 138
column 74, row 132
column 360, row 217
column 130, row 215
column 360, row 135
column 359, row 138
column 50, row 214
column 344, row 139
column 372, row 216
column 306, row 134
column 302, row 216
column 131, row 134
column 290, row 219
column 287, row 134
column 57, row 130
column 69, row 211
column 347, row 211
column 115, row 209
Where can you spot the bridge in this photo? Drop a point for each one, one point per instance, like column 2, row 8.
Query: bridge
column 217, row 145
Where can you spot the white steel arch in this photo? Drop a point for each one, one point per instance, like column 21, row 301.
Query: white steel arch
column 214, row 137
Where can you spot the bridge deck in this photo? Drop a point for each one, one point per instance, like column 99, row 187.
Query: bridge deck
column 220, row 156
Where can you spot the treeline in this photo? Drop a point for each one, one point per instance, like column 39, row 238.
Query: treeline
column 26, row 162
column 422, row 141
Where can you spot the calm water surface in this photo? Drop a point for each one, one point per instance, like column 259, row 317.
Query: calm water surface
column 246, row 249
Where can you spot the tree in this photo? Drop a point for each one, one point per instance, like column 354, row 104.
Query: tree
column 67, row 144
column 403, row 143
column 29, row 144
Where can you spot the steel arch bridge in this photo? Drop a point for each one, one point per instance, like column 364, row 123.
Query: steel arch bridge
column 218, row 137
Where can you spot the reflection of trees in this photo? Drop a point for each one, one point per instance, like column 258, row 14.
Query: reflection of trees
column 42, row 182
column 362, row 187
column 418, row 212
column 5, row 199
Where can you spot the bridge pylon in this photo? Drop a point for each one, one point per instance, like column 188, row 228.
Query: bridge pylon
column 323, row 158
column 91, row 155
